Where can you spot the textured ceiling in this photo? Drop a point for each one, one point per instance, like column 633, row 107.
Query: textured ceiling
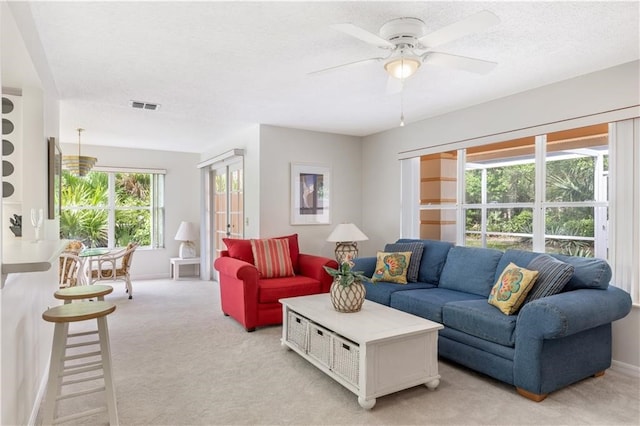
column 217, row 67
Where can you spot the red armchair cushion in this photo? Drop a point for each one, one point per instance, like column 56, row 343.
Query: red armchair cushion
column 241, row 249
column 274, row 289
column 272, row 258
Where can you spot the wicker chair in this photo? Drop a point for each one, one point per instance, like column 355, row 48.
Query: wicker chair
column 69, row 269
column 115, row 266
column 70, row 264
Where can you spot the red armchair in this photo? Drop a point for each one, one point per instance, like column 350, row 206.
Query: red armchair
column 254, row 301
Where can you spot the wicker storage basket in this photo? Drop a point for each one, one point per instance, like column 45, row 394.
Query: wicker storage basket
column 346, row 356
column 320, row 344
column 297, row 330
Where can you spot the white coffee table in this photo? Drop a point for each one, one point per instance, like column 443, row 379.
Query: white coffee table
column 374, row 352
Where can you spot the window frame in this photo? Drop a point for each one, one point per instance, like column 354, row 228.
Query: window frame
column 156, row 206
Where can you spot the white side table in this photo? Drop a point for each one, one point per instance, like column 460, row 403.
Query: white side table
column 176, row 262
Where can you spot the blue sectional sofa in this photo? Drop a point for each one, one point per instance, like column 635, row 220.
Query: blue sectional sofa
column 551, row 342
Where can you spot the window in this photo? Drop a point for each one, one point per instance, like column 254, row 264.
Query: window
column 110, row 208
column 566, row 208
column 545, row 193
column 500, row 195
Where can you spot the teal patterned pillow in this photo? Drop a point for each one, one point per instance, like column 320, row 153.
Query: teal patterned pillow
column 416, row 250
column 391, row 267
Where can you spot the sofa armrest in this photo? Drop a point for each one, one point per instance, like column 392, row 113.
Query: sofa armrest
column 568, row 313
column 236, row 268
column 365, row 264
column 311, row 266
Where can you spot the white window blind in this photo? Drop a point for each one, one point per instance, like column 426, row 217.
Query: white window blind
column 624, row 201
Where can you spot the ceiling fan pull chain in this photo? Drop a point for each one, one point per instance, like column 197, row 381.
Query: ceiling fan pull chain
column 402, row 103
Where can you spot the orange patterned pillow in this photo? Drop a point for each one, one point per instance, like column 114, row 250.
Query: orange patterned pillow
column 272, row 257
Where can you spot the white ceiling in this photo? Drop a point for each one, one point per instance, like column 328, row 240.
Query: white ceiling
column 217, row 67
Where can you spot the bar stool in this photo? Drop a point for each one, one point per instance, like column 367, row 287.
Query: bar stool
column 63, row 315
column 80, row 292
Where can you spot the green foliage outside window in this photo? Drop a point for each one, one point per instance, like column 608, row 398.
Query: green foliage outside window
column 85, row 208
column 570, row 180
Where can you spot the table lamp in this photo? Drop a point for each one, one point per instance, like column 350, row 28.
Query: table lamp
column 187, row 233
column 345, row 236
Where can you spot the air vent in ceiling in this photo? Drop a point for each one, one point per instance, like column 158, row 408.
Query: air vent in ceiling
column 144, row 105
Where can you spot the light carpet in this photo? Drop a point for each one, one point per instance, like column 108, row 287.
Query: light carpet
column 178, row 360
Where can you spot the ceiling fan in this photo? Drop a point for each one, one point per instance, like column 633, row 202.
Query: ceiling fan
column 409, row 46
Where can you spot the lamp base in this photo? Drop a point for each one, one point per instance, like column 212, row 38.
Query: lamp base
column 346, row 251
column 187, row 250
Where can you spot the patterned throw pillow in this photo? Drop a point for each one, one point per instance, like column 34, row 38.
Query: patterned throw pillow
column 416, row 250
column 553, row 275
column 272, row 258
column 392, row 267
column 512, row 287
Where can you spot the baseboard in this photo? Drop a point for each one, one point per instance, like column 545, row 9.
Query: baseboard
column 626, row 369
column 144, row 277
column 158, row 277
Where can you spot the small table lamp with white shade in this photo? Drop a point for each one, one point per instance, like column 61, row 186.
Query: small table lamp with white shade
column 187, row 233
column 346, row 236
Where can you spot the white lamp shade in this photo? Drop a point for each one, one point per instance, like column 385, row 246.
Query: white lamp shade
column 187, row 232
column 347, row 232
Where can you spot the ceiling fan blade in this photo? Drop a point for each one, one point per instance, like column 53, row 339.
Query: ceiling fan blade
column 394, row 85
column 364, row 35
column 478, row 66
column 363, row 61
column 469, row 25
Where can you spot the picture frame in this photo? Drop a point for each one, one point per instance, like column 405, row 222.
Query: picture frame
column 54, row 178
column 310, row 194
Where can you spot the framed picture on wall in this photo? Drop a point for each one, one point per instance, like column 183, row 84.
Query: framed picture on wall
column 310, row 194
column 54, row 156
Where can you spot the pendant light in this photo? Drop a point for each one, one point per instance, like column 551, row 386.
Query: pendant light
column 78, row 165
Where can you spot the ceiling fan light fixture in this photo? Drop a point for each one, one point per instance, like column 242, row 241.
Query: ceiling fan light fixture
column 402, row 67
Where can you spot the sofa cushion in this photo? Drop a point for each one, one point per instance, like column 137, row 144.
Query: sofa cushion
column 470, row 270
column 380, row 292
column 511, row 289
column 241, row 249
column 416, row 250
column 392, row 267
column 519, row 257
column 433, row 258
column 553, row 275
column 479, row 319
column 272, row 258
column 589, row 272
column 273, row 289
column 428, row 303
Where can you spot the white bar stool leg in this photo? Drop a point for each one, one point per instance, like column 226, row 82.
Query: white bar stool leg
column 105, row 348
column 56, row 367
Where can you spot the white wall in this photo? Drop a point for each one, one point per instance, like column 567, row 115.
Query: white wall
column 269, row 152
column 279, row 147
column 586, row 98
column 26, row 343
column 182, row 196
column 26, row 338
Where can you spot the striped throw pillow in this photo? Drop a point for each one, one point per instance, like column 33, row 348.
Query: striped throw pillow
column 553, row 275
column 272, row 257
